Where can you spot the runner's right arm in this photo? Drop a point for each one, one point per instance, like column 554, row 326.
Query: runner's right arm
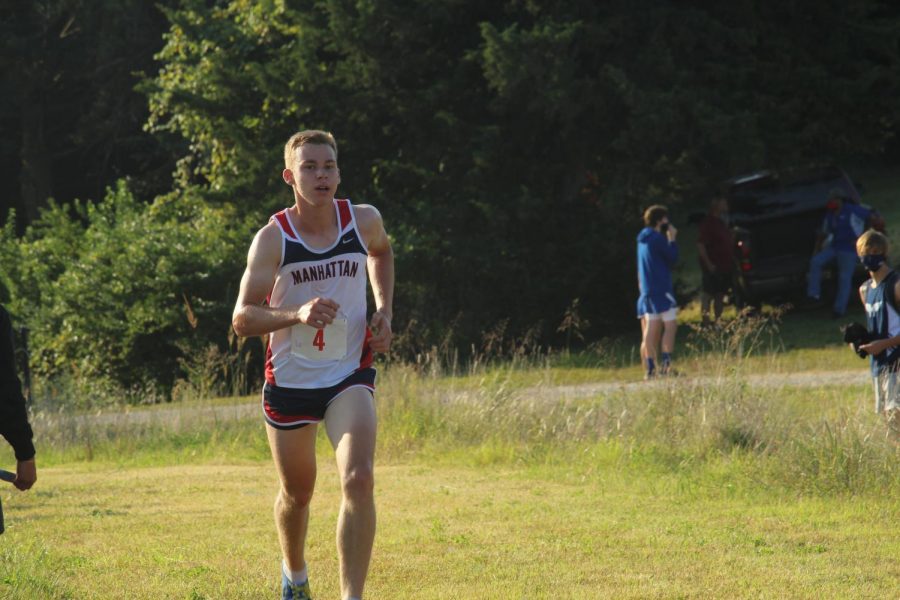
column 251, row 316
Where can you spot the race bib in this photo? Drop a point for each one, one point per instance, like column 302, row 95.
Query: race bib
column 329, row 343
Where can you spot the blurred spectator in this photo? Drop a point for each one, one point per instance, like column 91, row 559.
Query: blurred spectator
column 657, row 253
column 715, row 248
column 836, row 242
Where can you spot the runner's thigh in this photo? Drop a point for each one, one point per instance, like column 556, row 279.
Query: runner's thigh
column 294, row 453
column 350, row 423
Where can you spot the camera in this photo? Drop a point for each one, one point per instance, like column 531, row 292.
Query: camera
column 857, row 334
column 664, row 228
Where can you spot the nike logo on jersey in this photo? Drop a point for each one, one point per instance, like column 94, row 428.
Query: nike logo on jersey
column 347, row 239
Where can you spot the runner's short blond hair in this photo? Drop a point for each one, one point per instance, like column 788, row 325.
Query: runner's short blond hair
column 309, row 136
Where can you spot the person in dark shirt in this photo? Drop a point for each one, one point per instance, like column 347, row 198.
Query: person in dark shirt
column 715, row 248
column 14, row 424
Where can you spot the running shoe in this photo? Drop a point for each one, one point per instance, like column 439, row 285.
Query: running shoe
column 294, row 591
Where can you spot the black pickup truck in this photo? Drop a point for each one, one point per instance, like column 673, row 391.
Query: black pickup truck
column 775, row 217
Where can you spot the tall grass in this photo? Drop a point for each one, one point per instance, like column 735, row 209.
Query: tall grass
column 809, row 440
column 770, row 436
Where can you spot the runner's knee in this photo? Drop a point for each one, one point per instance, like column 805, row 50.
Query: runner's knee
column 358, row 482
column 296, row 495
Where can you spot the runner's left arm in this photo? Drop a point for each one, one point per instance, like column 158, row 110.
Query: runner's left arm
column 380, row 266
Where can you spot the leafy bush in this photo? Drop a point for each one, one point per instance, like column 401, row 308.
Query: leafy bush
column 118, row 289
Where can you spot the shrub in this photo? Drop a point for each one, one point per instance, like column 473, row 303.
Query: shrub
column 118, row 289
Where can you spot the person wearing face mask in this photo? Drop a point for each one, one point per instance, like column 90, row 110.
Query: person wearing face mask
column 880, row 294
column 657, row 253
column 844, row 222
column 715, row 249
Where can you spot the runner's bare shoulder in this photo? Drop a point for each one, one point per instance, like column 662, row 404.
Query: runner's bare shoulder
column 366, row 214
column 369, row 221
column 266, row 246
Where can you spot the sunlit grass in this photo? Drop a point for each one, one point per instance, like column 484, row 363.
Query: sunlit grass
column 688, row 487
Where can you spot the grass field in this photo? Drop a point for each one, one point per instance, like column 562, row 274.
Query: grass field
column 689, row 489
column 455, row 532
column 493, row 484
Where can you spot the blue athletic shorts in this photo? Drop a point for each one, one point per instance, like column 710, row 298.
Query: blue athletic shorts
column 656, row 304
column 292, row 408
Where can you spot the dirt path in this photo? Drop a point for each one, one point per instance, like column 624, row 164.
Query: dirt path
column 759, row 380
column 184, row 416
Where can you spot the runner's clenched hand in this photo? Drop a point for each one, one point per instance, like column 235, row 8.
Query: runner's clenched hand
column 318, row 312
column 380, row 324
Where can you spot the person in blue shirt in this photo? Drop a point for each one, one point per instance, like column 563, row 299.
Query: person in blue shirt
column 657, row 253
column 881, row 296
column 843, row 224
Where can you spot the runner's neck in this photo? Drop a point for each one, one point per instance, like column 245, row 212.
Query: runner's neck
column 313, row 220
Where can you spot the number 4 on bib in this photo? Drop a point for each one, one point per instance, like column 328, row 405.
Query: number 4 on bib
column 319, row 340
column 328, row 343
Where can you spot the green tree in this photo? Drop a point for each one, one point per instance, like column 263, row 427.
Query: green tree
column 512, row 147
column 71, row 119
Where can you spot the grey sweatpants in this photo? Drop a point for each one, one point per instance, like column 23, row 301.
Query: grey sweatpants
column 886, row 391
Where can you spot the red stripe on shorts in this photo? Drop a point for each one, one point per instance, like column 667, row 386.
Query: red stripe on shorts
column 287, row 419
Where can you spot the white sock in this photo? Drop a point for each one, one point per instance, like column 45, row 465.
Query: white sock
column 295, row 576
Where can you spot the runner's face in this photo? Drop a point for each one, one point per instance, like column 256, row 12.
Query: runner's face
column 315, row 176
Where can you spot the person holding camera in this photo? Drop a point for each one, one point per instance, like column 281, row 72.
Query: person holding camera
column 880, row 294
column 657, row 253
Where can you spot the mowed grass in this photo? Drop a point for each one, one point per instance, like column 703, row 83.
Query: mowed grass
column 205, row 531
column 682, row 489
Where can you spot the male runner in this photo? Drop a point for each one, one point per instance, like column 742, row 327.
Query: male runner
column 305, row 286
